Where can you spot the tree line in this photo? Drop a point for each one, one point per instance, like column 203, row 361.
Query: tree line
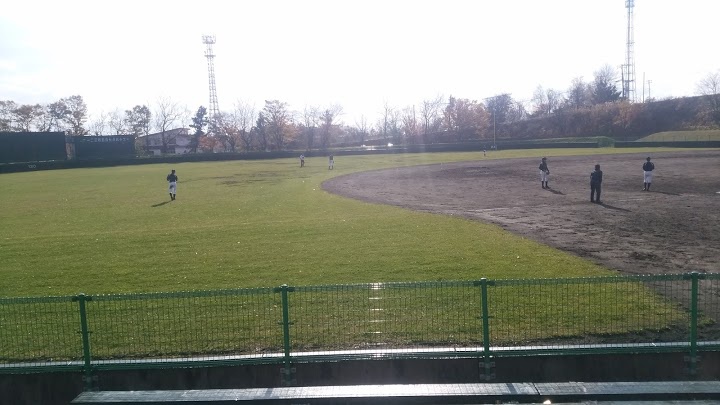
column 583, row 109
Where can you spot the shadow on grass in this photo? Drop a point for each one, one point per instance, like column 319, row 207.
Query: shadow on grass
column 159, row 204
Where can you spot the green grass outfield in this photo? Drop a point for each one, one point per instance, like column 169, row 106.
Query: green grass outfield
column 245, row 224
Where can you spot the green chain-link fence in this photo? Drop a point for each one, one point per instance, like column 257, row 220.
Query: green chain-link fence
column 381, row 320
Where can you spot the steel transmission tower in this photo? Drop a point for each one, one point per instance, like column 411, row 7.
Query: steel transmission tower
column 213, row 109
column 628, row 69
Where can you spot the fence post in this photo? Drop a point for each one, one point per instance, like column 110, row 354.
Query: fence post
column 695, row 278
column 486, row 330
column 82, row 299
column 287, row 371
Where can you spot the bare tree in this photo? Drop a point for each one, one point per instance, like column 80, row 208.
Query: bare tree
column 244, row 116
column 97, row 125
column 545, row 102
column 539, row 102
column 327, row 119
column 168, row 114
column 54, row 116
column 361, row 130
column 410, row 125
column 554, row 98
column 116, row 122
column 27, row 117
column 709, row 87
column 517, row 112
column 310, row 122
column 579, row 94
column 385, row 121
column 278, row 123
column 432, row 117
column 6, row 114
column 394, row 127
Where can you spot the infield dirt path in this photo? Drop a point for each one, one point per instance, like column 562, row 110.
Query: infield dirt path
column 673, row 228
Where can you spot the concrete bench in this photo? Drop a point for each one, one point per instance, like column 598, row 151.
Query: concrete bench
column 423, row 393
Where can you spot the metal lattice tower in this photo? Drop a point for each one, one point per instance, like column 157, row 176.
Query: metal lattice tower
column 628, row 79
column 213, row 109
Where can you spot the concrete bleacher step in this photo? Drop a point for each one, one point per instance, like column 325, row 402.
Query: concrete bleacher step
column 665, row 391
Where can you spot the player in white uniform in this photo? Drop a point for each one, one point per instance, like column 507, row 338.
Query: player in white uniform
column 331, row 162
column 544, row 173
column 172, row 179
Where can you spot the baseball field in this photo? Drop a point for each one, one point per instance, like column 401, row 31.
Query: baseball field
column 265, row 223
column 373, row 219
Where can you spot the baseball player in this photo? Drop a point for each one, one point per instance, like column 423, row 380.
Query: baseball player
column 544, row 173
column 172, row 179
column 596, row 185
column 648, row 168
column 331, row 162
column 302, row 160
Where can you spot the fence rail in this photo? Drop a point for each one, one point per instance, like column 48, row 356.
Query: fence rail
column 282, row 325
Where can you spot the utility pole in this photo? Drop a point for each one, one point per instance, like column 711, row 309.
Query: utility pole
column 628, row 89
column 213, row 109
column 643, row 98
column 494, row 100
column 494, row 127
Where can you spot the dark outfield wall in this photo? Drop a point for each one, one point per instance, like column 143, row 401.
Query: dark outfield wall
column 202, row 157
column 103, row 147
column 32, row 146
column 62, row 387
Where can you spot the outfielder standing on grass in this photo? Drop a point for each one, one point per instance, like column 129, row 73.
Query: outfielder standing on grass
column 172, row 179
column 648, row 168
column 331, row 162
column 544, row 173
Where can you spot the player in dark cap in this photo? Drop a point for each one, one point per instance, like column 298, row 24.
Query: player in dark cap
column 544, row 173
column 172, row 179
column 648, row 168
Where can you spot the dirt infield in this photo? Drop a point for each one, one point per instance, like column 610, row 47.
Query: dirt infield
column 673, row 228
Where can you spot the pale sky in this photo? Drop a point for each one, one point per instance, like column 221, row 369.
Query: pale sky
column 360, row 54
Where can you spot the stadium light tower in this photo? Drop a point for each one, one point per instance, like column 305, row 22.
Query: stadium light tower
column 628, row 69
column 213, row 109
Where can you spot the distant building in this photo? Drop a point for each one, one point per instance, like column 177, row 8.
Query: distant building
column 174, row 141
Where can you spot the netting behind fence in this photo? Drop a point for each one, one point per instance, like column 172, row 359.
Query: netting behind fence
column 39, row 331
column 192, row 325
column 346, row 321
column 385, row 316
